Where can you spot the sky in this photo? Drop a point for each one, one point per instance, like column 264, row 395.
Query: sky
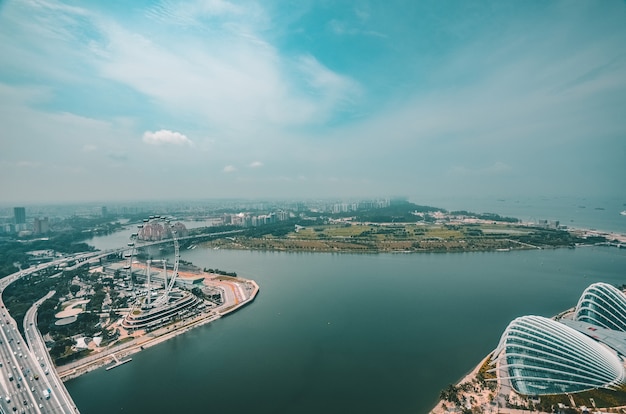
column 118, row 100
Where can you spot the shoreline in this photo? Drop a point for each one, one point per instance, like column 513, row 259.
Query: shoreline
column 438, row 408
column 468, row 379
column 493, row 240
column 429, row 251
column 106, row 358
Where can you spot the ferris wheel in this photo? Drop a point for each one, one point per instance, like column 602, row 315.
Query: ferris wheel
column 154, row 230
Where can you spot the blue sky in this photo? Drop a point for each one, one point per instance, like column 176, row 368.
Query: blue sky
column 123, row 100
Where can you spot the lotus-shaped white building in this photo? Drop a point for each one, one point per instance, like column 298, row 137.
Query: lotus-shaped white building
column 602, row 305
column 540, row 356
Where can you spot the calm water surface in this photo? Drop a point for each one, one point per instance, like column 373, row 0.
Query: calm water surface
column 344, row 333
column 600, row 213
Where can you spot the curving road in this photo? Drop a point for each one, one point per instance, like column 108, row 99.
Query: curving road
column 28, row 381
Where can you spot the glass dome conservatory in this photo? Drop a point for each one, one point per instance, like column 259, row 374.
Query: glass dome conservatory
column 541, row 356
column 602, row 305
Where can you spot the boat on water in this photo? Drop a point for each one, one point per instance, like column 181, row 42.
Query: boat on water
column 623, row 213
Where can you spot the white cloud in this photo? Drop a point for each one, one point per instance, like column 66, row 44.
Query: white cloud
column 332, row 85
column 256, row 164
column 245, row 85
column 221, row 69
column 165, row 136
column 191, row 13
column 229, row 169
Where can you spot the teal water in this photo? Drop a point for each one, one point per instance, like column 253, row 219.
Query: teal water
column 582, row 212
column 344, row 333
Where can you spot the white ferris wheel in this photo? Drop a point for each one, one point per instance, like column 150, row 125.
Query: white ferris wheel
column 137, row 242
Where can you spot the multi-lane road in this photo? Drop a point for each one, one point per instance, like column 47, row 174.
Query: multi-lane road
column 25, row 385
column 28, row 381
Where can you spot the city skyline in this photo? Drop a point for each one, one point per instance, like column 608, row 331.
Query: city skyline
column 217, row 99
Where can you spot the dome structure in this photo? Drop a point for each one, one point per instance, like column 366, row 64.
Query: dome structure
column 602, row 305
column 540, row 356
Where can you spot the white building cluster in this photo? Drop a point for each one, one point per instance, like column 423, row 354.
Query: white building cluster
column 540, row 356
column 251, row 220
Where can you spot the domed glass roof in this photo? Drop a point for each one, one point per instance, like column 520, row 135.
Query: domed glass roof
column 541, row 356
column 602, row 305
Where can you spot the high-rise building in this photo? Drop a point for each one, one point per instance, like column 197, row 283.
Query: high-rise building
column 41, row 226
column 20, row 215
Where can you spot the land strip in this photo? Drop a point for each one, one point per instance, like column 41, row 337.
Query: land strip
column 419, row 237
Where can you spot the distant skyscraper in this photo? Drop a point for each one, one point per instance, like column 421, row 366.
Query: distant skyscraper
column 20, row 215
column 41, row 226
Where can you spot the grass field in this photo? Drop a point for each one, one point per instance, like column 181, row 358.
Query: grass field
column 402, row 237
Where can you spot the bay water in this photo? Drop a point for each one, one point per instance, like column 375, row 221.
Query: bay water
column 580, row 212
column 345, row 333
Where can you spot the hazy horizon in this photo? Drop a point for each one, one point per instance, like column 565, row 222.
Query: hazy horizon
column 109, row 101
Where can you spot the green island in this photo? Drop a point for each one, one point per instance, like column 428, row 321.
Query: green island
column 409, row 237
column 407, row 227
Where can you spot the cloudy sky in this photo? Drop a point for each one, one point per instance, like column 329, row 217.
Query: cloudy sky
column 119, row 100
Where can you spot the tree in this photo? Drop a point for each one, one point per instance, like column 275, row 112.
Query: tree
column 450, row 393
column 198, row 292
